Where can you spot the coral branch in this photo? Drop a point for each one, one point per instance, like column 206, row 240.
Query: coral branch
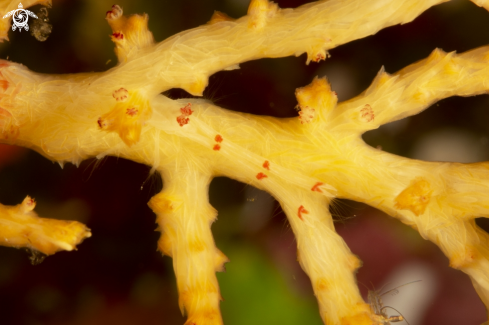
column 21, row 227
column 311, row 158
column 325, row 258
column 184, row 216
column 130, row 34
column 415, row 88
column 303, row 161
column 187, row 59
column 439, row 200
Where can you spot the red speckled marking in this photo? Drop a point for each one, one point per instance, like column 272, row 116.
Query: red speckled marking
column 118, row 36
column 30, row 202
column 217, row 147
column 132, row 111
column 218, row 138
column 115, row 13
column 367, row 113
column 4, row 84
column 187, row 110
column 99, row 121
column 266, row 165
column 319, row 57
column 182, row 120
column 316, row 188
column 120, row 94
column 261, row 176
column 307, row 114
column 301, row 211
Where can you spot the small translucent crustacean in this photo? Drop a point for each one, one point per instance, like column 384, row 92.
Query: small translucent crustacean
column 378, row 308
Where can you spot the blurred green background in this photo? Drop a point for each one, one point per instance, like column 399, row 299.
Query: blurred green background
column 118, row 277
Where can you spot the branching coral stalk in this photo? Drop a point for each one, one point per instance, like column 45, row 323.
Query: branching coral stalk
column 21, row 227
column 303, row 162
column 187, row 238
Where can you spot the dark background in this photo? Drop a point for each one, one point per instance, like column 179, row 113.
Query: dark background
column 118, row 277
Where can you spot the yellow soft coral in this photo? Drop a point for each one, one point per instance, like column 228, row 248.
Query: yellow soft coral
column 21, row 227
column 304, row 162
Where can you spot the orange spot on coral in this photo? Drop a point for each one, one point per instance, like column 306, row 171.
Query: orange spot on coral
column 189, row 296
column 217, row 147
column 197, row 246
column 27, row 205
column 114, row 13
column 186, row 111
column 316, row 188
column 4, row 84
column 266, row 165
column 462, row 259
column 103, row 123
column 29, row 201
column 322, row 284
column 218, row 138
column 316, row 96
column 319, row 57
column 182, row 120
column 118, row 36
column 126, row 118
column 120, row 94
column 301, row 211
column 11, row 132
column 367, row 113
column 306, row 114
column 131, row 111
column 161, row 204
column 415, row 197
column 259, row 11
column 261, row 176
